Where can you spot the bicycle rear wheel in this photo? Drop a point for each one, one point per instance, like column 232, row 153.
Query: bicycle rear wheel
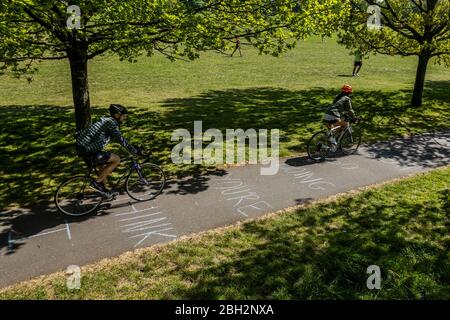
column 318, row 146
column 350, row 141
column 75, row 197
column 146, row 182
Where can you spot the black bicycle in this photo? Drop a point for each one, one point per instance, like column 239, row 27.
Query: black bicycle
column 143, row 182
column 320, row 146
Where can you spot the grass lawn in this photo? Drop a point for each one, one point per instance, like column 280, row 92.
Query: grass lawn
column 317, row 252
column 287, row 93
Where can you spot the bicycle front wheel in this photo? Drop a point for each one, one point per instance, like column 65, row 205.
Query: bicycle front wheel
column 75, row 197
column 318, row 146
column 146, row 182
column 350, row 141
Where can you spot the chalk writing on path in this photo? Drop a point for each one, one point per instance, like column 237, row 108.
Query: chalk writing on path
column 12, row 241
column 346, row 164
column 141, row 224
column 304, row 176
column 244, row 199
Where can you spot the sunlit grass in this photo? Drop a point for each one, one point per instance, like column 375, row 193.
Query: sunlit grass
column 261, row 92
column 319, row 252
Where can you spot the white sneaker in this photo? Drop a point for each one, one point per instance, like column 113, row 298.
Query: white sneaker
column 110, row 196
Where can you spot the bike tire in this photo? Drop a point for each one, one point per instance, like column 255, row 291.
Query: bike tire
column 155, row 180
column 321, row 154
column 93, row 195
column 350, row 141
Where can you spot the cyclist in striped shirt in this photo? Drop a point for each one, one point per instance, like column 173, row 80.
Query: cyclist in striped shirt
column 91, row 142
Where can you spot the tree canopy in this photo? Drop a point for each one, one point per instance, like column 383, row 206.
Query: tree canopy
column 408, row 28
column 36, row 30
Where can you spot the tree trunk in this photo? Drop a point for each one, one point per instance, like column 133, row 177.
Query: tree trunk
column 80, row 89
column 420, row 80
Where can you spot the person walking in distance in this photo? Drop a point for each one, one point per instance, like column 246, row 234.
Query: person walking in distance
column 238, row 47
column 358, row 63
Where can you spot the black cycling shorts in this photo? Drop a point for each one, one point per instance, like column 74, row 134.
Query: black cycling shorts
column 331, row 121
column 97, row 157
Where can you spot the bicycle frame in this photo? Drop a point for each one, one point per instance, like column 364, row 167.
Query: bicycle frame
column 133, row 166
column 324, row 143
column 332, row 130
column 76, row 196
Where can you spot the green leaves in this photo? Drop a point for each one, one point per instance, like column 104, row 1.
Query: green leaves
column 408, row 28
column 36, row 29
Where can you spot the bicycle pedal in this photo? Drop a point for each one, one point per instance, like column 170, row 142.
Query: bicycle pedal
column 109, row 198
column 112, row 196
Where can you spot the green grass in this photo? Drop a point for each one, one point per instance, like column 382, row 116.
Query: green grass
column 287, row 93
column 318, row 252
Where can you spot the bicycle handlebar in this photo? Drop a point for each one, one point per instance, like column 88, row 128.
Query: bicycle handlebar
column 352, row 119
column 144, row 154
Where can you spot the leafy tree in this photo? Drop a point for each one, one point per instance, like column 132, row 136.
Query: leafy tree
column 36, row 30
column 408, row 28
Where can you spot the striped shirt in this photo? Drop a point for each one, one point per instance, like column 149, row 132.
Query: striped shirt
column 95, row 137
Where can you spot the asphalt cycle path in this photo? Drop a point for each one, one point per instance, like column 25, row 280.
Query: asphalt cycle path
column 42, row 241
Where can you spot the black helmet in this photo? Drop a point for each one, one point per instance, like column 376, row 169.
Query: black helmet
column 117, row 108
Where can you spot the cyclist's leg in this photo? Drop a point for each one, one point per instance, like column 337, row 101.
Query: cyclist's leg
column 329, row 120
column 110, row 161
column 342, row 124
column 328, row 124
column 101, row 167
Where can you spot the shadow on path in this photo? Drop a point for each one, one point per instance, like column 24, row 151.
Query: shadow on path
column 37, row 141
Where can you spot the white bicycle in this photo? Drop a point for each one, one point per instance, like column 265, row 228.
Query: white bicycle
column 320, row 146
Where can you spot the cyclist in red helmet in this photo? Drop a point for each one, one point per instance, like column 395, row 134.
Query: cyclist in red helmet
column 342, row 105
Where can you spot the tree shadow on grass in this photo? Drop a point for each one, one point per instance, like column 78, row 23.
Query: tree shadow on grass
column 298, row 113
column 36, row 142
column 437, row 90
column 37, row 149
column 37, row 145
column 324, row 254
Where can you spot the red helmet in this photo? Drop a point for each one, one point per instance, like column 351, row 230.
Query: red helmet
column 347, row 88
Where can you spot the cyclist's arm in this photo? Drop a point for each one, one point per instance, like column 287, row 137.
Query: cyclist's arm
column 348, row 107
column 117, row 136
